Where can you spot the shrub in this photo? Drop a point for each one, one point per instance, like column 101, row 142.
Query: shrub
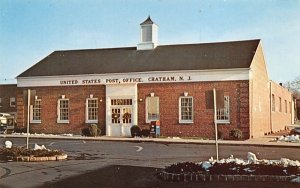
column 145, row 132
column 236, row 134
column 22, row 151
column 85, row 131
column 20, row 130
column 91, row 130
column 135, row 131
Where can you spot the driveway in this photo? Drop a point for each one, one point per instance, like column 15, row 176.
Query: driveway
column 138, row 161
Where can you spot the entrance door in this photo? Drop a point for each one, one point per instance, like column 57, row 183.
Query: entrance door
column 121, row 117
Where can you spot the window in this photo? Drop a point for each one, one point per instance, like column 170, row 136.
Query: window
column 223, row 113
column 121, row 102
column 290, row 107
column 91, row 110
column 35, row 111
column 63, row 110
column 273, row 103
column 12, row 102
column 0, row 102
column 285, row 106
column 186, row 110
column 152, row 109
column 280, row 109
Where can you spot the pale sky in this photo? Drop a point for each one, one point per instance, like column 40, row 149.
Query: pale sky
column 32, row 29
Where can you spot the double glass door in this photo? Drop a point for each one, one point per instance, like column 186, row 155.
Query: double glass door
column 121, row 117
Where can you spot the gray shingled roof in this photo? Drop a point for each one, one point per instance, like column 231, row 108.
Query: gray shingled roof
column 224, row 55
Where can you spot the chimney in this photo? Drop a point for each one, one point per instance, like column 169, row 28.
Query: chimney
column 148, row 35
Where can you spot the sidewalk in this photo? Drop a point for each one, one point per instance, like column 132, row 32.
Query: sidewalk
column 267, row 141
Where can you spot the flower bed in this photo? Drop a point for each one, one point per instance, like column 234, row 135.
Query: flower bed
column 23, row 154
column 233, row 169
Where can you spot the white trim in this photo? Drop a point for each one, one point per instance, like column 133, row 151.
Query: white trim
column 137, row 77
column 186, row 121
column 146, row 110
column 58, row 111
column 224, row 121
column 12, row 99
column 87, row 110
column 31, row 112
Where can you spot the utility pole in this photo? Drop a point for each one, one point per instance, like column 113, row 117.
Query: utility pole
column 215, row 121
column 28, row 116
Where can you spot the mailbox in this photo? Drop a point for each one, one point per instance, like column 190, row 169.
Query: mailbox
column 155, row 128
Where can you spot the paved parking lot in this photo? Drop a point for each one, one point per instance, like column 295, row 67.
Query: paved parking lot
column 87, row 158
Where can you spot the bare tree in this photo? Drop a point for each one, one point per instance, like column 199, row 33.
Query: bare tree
column 294, row 85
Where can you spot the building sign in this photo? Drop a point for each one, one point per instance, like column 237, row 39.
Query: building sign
column 151, row 79
column 134, row 78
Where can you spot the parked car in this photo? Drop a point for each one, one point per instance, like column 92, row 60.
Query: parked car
column 295, row 131
column 7, row 123
column 3, row 118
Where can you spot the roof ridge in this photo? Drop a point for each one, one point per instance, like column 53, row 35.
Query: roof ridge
column 134, row 47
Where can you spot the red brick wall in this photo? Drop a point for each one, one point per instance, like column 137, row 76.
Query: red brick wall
column 203, row 125
column 281, row 119
column 169, row 94
column 49, row 96
column 6, row 92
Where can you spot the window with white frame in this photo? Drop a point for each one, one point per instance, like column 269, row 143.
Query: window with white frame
column 63, row 110
column 36, row 111
column 223, row 113
column 12, row 102
column 152, row 109
column 91, row 110
column 186, row 110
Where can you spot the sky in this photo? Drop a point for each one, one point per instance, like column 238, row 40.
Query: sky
column 32, row 29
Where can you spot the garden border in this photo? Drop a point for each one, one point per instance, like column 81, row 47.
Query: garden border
column 40, row 159
column 198, row 177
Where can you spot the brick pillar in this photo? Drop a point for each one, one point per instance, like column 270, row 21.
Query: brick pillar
column 21, row 118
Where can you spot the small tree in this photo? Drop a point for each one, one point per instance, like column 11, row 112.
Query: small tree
column 93, row 130
column 236, row 134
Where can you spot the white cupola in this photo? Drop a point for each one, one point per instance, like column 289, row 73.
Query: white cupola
column 148, row 35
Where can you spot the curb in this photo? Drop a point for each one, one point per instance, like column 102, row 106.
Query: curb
column 197, row 177
column 40, row 159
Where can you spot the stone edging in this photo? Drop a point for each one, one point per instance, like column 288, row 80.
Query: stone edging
column 197, row 177
column 40, row 159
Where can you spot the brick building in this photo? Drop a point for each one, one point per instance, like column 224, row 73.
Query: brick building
column 8, row 95
column 120, row 87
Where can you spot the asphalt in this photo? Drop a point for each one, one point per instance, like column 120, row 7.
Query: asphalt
column 266, row 141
